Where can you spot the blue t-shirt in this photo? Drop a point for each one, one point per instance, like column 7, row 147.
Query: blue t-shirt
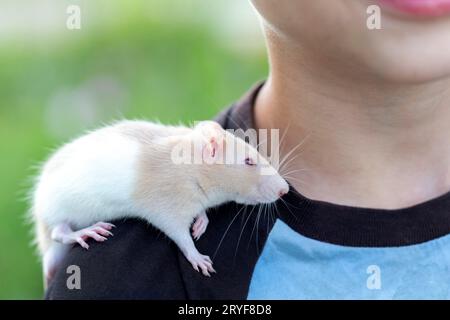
column 296, row 267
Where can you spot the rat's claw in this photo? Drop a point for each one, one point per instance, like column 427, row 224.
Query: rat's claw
column 102, row 231
column 204, row 268
column 202, row 262
column 104, row 225
column 99, row 232
column 82, row 243
column 196, row 235
column 95, row 236
column 199, row 226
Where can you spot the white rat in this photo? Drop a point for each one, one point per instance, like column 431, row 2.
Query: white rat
column 128, row 170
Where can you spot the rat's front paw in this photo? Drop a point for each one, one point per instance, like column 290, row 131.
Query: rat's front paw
column 200, row 225
column 201, row 262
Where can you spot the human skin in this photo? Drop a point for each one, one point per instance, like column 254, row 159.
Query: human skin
column 373, row 105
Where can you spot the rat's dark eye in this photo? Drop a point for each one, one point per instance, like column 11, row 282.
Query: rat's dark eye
column 250, row 162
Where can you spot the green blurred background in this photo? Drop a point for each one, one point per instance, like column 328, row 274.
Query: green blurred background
column 170, row 60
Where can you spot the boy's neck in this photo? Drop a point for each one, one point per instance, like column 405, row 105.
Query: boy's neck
column 369, row 143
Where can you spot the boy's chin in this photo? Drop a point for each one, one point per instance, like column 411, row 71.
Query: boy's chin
column 412, row 74
column 397, row 64
column 402, row 54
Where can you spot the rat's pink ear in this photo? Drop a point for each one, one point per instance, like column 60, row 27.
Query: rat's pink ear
column 213, row 141
column 210, row 151
column 209, row 128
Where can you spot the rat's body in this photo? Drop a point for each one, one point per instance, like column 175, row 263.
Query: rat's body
column 126, row 170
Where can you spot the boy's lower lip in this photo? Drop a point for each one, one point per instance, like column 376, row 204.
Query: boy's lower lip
column 419, row 8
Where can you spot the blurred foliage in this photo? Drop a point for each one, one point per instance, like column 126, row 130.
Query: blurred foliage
column 169, row 71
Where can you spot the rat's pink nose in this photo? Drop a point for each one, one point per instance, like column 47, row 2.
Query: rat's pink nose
column 282, row 192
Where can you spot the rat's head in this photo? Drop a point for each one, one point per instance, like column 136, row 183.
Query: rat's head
column 236, row 169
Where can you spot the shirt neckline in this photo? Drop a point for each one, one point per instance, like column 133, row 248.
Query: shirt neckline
column 347, row 225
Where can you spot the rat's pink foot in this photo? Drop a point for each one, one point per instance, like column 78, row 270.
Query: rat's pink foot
column 200, row 225
column 201, row 262
column 99, row 232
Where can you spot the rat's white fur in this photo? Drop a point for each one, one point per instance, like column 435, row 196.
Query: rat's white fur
column 86, row 178
column 126, row 170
